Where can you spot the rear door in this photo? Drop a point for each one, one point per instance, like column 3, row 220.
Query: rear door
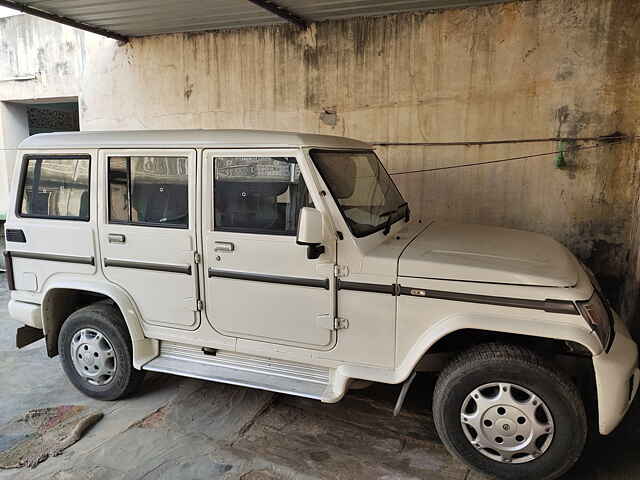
column 147, row 231
column 259, row 283
column 50, row 229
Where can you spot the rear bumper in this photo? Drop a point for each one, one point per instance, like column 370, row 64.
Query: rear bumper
column 617, row 378
column 27, row 313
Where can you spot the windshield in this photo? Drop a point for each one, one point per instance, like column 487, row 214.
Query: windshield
column 364, row 191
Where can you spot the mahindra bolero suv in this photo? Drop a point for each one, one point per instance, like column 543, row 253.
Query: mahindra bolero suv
column 290, row 262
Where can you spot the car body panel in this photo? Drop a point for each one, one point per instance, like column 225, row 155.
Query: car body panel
column 478, row 253
column 617, row 378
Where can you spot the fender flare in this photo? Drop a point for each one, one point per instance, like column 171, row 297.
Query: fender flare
column 560, row 329
column 144, row 349
column 557, row 330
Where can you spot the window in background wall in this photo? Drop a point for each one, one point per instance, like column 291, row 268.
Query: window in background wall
column 56, row 188
column 151, row 191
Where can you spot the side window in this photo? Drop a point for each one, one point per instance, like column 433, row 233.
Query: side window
column 56, row 188
column 150, row 191
column 258, row 194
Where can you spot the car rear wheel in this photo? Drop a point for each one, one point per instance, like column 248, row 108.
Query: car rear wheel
column 96, row 354
column 506, row 412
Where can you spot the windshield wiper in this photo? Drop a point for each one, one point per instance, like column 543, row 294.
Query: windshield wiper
column 389, row 215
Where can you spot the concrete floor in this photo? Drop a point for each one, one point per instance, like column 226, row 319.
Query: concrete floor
column 181, row 428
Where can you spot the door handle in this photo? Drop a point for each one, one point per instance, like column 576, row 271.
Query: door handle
column 116, row 238
column 223, row 247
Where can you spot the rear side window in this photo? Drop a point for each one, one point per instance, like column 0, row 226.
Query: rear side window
column 258, row 194
column 151, row 191
column 56, row 187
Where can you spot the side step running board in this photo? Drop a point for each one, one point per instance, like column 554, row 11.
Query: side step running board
column 243, row 370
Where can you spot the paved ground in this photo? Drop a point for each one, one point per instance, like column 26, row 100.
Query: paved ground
column 180, row 428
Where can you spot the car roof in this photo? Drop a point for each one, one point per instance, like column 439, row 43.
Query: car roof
column 188, row 139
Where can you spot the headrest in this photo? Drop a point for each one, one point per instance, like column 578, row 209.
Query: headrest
column 340, row 174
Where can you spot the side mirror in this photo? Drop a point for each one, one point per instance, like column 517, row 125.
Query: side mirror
column 310, row 232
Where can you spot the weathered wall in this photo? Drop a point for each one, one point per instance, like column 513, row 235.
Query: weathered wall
column 630, row 302
column 49, row 59
column 51, row 52
column 12, row 131
column 522, row 70
column 541, row 68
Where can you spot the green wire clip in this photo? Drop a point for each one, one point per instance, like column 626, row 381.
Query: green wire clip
column 560, row 160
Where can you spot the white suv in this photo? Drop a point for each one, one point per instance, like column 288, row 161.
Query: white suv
column 287, row 262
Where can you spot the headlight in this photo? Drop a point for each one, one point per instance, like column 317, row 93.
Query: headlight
column 597, row 313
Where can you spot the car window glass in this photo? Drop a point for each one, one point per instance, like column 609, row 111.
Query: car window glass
column 56, row 188
column 362, row 188
column 258, row 194
column 118, row 189
column 149, row 190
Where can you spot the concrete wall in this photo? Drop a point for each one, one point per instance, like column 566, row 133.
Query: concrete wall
column 535, row 69
column 630, row 302
column 40, row 61
column 52, row 53
column 13, row 129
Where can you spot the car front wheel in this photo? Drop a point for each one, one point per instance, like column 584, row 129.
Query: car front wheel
column 506, row 412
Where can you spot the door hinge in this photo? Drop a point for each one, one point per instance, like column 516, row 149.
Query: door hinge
column 196, row 257
column 325, row 321
column 198, row 306
column 340, row 323
column 340, row 271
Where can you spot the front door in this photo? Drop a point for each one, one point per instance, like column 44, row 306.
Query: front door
column 259, row 283
column 147, row 231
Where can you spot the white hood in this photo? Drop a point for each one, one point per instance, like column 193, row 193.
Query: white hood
column 477, row 253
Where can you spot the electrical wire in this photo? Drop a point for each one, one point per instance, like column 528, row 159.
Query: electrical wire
column 601, row 138
column 510, row 159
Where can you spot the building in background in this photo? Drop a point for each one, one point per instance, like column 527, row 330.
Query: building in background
column 27, row 59
column 416, row 83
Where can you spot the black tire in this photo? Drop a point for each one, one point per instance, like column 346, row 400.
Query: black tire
column 105, row 318
column 522, row 367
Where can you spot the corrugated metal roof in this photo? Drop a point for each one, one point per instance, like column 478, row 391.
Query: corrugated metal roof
column 134, row 18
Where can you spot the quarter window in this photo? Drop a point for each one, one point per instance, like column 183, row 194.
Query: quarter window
column 149, row 191
column 258, row 194
column 56, row 188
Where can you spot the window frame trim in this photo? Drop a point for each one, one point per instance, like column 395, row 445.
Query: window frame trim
column 245, row 230
column 50, row 156
column 130, row 221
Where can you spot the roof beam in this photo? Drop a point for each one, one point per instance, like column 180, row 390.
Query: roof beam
column 281, row 12
column 63, row 20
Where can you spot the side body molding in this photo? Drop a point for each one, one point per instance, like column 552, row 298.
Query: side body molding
column 144, row 349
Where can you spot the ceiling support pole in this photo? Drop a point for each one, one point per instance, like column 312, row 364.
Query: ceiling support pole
column 281, row 12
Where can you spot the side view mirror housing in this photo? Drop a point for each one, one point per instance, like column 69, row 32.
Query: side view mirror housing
column 310, row 232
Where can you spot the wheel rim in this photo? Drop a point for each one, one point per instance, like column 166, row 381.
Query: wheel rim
column 507, row 423
column 93, row 356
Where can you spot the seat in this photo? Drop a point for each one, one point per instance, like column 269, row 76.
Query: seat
column 249, row 204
